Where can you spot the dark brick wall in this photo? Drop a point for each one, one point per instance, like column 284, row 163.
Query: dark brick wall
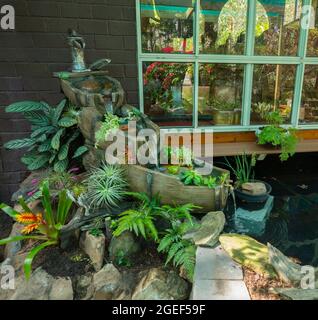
column 38, row 47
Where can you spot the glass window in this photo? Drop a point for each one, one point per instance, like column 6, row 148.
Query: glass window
column 312, row 47
column 220, row 94
column 223, row 26
column 168, row 93
column 273, row 89
column 167, row 26
column 277, row 27
column 309, row 104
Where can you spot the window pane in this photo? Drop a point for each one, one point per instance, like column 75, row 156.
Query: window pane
column 167, row 26
column 309, row 105
column 223, row 26
column 273, row 89
column 168, row 93
column 312, row 47
column 220, row 94
column 277, row 27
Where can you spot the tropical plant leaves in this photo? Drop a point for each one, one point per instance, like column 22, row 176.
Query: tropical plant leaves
column 80, row 151
column 67, row 122
column 63, row 153
column 25, row 106
column 57, row 112
column 39, row 162
column 37, row 118
column 19, row 143
column 55, row 143
column 60, row 166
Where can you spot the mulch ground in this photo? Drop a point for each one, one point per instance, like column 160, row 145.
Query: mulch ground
column 259, row 287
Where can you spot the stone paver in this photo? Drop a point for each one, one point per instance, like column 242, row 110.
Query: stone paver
column 220, row 290
column 217, row 276
column 216, row 264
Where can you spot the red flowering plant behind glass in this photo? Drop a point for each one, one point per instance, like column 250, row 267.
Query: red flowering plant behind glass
column 160, row 77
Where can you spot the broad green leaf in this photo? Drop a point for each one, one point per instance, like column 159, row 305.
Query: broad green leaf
column 40, row 131
column 80, row 151
column 61, row 166
column 67, row 122
column 63, row 153
column 45, row 146
column 24, row 205
column 24, row 106
column 39, row 162
column 37, row 118
column 20, row 238
column 58, row 112
column 46, row 201
column 8, row 210
column 19, row 143
column 31, row 255
column 55, row 143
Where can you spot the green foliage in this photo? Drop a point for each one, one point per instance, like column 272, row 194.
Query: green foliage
column 178, row 212
column 140, row 220
column 96, row 232
column 179, row 251
column 106, row 186
column 47, row 226
column 54, row 132
column 262, row 108
column 210, row 182
column 243, row 168
column 276, row 135
column 110, row 124
column 191, row 177
column 181, row 156
column 122, row 260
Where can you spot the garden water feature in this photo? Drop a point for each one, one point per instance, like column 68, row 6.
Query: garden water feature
column 292, row 226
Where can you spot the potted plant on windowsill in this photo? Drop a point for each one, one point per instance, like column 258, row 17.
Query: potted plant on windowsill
column 274, row 135
column 250, row 193
column 225, row 113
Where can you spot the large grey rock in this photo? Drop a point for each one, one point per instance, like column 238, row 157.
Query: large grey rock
column 208, row 233
column 41, row 286
column 84, row 287
column 297, row 294
column 254, row 188
column 94, row 247
column 158, row 284
column 107, row 283
column 61, row 289
column 125, row 245
column 37, row 288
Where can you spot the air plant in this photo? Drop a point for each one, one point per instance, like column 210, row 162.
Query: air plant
column 106, row 186
column 44, row 226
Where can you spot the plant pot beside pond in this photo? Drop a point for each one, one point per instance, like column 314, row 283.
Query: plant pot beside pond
column 251, row 201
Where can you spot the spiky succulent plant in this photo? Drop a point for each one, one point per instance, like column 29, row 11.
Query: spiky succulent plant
column 106, row 186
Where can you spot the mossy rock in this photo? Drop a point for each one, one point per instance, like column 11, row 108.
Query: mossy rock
column 249, row 253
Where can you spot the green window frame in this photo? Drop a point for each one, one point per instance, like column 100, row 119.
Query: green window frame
column 249, row 59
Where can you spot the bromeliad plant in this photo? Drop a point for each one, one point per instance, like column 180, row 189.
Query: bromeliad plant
column 54, row 133
column 45, row 227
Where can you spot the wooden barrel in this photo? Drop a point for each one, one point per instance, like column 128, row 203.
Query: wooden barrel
column 173, row 191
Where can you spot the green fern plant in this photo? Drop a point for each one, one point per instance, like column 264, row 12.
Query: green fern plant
column 54, row 132
column 178, row 212
column 106, row 186
column 140, row 220
column 179, row 251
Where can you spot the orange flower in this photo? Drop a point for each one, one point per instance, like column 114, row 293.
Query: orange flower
column 27, row 218
column 31, row 220
column 29, row 228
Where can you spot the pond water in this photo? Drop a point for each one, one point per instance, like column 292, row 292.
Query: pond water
column 293, row 223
